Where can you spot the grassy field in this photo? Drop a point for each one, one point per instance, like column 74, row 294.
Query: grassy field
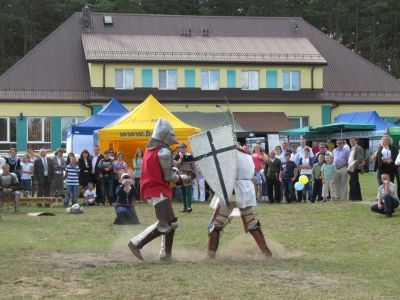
column 321, row 251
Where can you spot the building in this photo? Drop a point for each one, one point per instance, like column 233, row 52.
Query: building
column 272, row 73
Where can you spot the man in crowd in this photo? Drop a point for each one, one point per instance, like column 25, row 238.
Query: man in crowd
column 356, row 164
column 95, row 174
column 184, row 162
column 315, row 147
column 9, row 187
column 322, row 152
column 285, row 148
column 303, row 145
column 340, row 161
column 42, row 174
column 387, row 200
column 272, row 168
column 287, row 177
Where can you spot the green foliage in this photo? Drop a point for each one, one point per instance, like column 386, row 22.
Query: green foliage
column 369, row 27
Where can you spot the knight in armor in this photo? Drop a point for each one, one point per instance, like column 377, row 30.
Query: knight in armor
column 157, row 173
column 9, row 185
column 244, row 198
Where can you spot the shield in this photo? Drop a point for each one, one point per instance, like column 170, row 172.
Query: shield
column 216, row 156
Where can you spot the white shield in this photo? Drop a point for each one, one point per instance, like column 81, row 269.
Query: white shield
column 216, row 156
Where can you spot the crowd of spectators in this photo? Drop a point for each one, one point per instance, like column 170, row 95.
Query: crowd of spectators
column 330, row 169
column 103, row 178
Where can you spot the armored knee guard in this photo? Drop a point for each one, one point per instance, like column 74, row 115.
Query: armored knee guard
column 249, row 219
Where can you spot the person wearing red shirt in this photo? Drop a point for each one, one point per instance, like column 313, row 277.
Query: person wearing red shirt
column 157, row 173
column 258, row 158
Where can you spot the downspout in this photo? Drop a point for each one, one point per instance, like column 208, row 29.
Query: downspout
column 312, row 77
column 89, row 106
column 104, row 75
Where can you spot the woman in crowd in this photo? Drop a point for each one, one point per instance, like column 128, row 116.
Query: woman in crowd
column 278, row 152
column 85, row 168
column 258, row 158
column 385, row 158
column 137, row 169
column 57, row 183
column 125, row 212
column 14, row 163
column 120, row 167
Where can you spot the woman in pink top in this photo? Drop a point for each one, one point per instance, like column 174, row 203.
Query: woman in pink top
column 258, row 158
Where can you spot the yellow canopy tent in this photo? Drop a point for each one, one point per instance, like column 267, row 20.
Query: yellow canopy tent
column 134, row 129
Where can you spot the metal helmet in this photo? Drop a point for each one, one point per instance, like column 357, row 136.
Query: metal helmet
column 164, row 133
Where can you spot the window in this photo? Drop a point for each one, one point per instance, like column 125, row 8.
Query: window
column 250, row 80
column 39, row 132
column 210, row 80
column 291, row 81
column 297, row 122
column 124, row 79
column 167, row 79
column 66, row 123
column 8, row 133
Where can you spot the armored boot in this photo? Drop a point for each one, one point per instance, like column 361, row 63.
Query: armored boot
column 166, row 245
column 146, row 236
column 213, row 241
column 260, row 240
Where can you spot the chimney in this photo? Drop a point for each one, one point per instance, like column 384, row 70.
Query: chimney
column 86, row 19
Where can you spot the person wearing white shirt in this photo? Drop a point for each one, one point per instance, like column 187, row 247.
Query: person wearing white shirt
column 387, row 200
column 303, row 145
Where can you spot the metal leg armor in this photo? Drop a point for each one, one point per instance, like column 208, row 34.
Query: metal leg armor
column 217, row 223
column 146, row 236
column 252, row 225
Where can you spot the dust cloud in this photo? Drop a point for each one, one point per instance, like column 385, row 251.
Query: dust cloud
column 241, row 247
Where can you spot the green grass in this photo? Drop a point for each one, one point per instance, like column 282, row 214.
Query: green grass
column 321, row 251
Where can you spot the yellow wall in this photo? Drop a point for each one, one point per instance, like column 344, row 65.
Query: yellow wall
column 44, row 110
column 96, row 74
column 384, row 110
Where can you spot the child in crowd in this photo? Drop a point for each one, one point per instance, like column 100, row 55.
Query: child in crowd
column 317, row 179
column 26, row 174
column 328, row 178
column 90, row 195
column 288, row 176
column 305, row 166
column 72, row 173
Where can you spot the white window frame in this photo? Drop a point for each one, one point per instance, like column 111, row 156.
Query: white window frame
column 297, row 138
column 42, row 141
column 8, row 141
column 167, row 71
column 291, row 86
column 124, row 79
column 251, row 86
column 208, row 88
column 77, row 120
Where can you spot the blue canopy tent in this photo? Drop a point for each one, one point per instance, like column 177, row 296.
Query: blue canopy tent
column 365, row 117
column 80, row 136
